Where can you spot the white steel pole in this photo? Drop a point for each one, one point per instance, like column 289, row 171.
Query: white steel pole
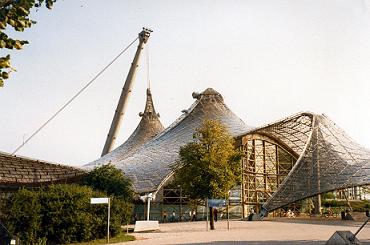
column 147, row 213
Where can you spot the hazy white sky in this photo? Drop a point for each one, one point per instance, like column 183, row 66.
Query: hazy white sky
column 269, row 59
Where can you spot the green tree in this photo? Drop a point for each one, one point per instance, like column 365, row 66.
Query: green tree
column 15, row 13
column 209, row 166
column 111, row 180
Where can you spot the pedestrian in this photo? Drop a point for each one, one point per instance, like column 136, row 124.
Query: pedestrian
column 215, row 212
column 164, row 216
column 190, row 214
column 173, row 218
column 194, row 218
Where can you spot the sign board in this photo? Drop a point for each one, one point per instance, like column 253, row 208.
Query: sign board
column 12, row 242
column 216, row 202
column 101, row 200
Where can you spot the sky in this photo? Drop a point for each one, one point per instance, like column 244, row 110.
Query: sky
column 268, row 58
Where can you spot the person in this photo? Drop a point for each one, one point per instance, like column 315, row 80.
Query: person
column 194, row 216
column 173, row 218
column 189, row 214
column 290, row 214
column 164, row 216
column 215, row 212
column 135, row 217
column 330, row 212
column 251, row 213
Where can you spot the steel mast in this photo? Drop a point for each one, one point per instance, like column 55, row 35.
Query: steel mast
column 125, row 94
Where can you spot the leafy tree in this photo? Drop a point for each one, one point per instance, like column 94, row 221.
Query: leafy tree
column 15, row 13
column 111, row 180
column 209, row 166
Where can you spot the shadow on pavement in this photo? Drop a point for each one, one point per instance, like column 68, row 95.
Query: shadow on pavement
column 304, row 242
column 318, row 222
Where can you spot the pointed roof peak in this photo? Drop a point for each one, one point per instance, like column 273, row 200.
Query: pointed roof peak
column 148, row 127
column 209, row 93
column 149, row 110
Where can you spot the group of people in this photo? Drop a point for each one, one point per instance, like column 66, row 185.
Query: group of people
column 173, row 217
column 290, row 214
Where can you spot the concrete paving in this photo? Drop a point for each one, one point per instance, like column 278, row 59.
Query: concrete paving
column 277, row 231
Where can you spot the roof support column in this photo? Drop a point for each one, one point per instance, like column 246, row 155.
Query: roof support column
column 316, row 167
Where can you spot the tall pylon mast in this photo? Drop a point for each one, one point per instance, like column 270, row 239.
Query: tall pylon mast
column 125, row 94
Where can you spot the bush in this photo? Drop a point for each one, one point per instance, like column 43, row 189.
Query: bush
column 328, row 195
column 332, row 203
column 111, row 180
column 21, row 215
column 61, row 214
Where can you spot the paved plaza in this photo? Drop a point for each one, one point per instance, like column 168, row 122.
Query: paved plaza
column 277, row 231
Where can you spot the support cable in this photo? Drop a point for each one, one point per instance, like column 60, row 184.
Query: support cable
column 75, row 96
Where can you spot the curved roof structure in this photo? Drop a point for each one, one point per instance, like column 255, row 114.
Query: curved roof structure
column 149, row 167
column 148, row 127
column 328, row 158
column 16, row 172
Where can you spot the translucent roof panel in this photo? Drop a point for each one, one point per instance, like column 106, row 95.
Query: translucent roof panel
column 151, row 164
column 328, row 160
column 149, row 126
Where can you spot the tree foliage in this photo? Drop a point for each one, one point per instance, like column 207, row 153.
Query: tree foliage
column 15, row 13
column 111, row 180
column 209, row 166
column 61, row 214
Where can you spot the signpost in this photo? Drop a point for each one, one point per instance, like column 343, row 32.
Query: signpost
column 103, row 200
column 219, row 203
column 216, row 203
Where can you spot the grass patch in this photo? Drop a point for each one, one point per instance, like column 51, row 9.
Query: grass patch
column 122, row 237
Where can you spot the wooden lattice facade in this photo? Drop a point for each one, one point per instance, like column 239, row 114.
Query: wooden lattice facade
column 264, row 167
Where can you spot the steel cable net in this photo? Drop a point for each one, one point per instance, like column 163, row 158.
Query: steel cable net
column 329, row 160
column 150, row 165
column 293, row 131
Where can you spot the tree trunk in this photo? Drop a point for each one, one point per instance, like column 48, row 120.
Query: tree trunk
column 211, row 218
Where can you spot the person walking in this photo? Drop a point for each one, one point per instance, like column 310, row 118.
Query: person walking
column 164, row 216
column 173, row 217
column 215, row 212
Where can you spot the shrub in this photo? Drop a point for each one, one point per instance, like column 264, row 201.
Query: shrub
column 21, row 215
column 61, row 214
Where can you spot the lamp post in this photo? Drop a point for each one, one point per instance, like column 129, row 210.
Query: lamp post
column 148, row 198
